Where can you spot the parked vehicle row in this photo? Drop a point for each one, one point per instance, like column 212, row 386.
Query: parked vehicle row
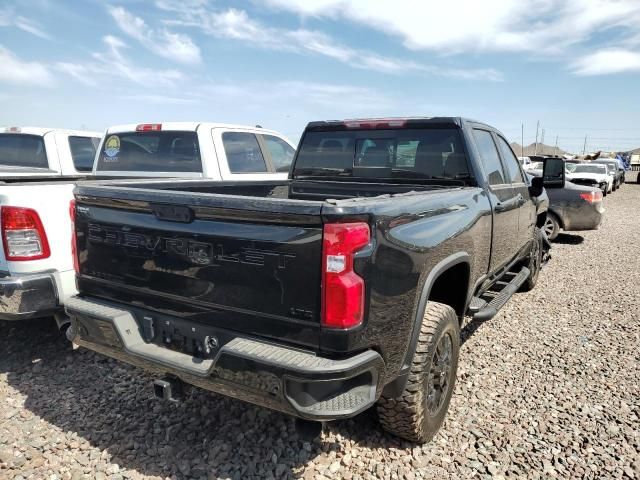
column 40, row 167
column 319, row 281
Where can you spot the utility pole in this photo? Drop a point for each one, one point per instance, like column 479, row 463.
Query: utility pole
column 556, row 149
column 522, row 139
column 537, row 127
column 584, row 147
column 542, row 141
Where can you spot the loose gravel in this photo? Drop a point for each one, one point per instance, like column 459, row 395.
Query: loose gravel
column 549, row 388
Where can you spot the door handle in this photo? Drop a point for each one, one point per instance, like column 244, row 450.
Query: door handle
column 514, row 202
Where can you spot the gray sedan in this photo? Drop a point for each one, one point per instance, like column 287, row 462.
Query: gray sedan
column 573, row 208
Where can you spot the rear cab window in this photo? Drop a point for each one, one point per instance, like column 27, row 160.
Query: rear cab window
column 435, row 155
column 22, row 150
column 150, row 151
column 83, row 152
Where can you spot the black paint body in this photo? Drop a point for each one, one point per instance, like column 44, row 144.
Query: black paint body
column 246, row 257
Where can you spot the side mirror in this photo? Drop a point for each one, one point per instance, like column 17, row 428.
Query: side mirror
column 536, row 187
column 553, row 173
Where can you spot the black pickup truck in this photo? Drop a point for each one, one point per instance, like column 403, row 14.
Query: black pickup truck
column 320, row 296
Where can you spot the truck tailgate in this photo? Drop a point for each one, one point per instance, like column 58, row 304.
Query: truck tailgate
column 236, row 268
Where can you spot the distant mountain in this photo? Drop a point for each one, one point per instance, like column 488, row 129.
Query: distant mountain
column 531, row 149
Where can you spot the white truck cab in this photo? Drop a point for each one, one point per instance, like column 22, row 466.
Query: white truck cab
column 212, row 151
column 36, row 262
column 33, row 153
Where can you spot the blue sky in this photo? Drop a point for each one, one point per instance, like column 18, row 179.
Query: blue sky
column 574, row 65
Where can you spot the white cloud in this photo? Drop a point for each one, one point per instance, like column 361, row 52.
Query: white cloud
column 236, row 24
column 8, row 18
column 158, row 99
column 455, row 26
column 113, row 63
column 607, row 61
column 19, row 72
column 174, row 46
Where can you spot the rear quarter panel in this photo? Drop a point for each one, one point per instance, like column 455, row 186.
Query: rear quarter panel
column 51, row 201
column 413, row 233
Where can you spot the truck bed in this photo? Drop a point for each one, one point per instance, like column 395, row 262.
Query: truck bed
column 228, row 255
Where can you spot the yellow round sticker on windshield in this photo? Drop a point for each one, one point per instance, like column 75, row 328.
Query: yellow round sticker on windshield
column 112, row 146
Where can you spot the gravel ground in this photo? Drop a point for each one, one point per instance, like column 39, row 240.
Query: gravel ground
column 549, row 388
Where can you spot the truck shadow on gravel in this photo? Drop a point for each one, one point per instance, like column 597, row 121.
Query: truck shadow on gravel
column 568, row 239
column 104, row 413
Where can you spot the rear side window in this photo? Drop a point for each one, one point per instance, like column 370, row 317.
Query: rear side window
column 83, row 152
column 408, row 154
column 515, row 175
column 243, row 153
column 281, row 152
column 164, row 151
column 490, row 158
column 20, row 150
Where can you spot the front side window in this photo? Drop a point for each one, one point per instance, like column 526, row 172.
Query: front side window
column 515, row 175
column 243, row 153
column 490, row 158
column 164, row 151
column 83, row 152
column 281, row 152
column 21, row 150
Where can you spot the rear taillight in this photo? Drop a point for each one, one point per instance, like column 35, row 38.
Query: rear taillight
column 23, row 235
column 74, row 249
column 592, row 197
column 342, row 289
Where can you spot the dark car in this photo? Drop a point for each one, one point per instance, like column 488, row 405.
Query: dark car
column 573, row 208
column 322, row 295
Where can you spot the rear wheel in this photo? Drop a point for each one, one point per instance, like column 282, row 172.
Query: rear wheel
column 534, row 263
column 551, row 226
column 419, row 411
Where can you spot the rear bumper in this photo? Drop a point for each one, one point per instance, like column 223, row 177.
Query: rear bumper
column 586, row 217
column 27, row 296
column 274, row 376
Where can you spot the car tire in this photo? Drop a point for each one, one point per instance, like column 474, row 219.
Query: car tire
column 551, row 226
column 534, row 261
column 418, row 413
column 638, row 178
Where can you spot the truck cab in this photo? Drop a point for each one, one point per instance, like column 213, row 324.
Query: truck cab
column 212, row 151
column 33, row 153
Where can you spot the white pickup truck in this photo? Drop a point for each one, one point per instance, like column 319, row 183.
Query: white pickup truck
column 36, row 263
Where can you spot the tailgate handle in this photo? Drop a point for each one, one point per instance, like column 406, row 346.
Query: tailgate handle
column 172, row 213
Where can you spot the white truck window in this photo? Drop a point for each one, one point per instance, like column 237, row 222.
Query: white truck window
column 163, row 151
column 281, row 152
column 21, row 150
column 243, row 153
column 83, row 152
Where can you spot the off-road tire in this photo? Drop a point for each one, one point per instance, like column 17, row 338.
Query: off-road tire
column 552, row 233
column 408, row 416
column 534, row 261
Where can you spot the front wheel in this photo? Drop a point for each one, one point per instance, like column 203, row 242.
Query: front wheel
column 419, row 411
column 551, row 226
